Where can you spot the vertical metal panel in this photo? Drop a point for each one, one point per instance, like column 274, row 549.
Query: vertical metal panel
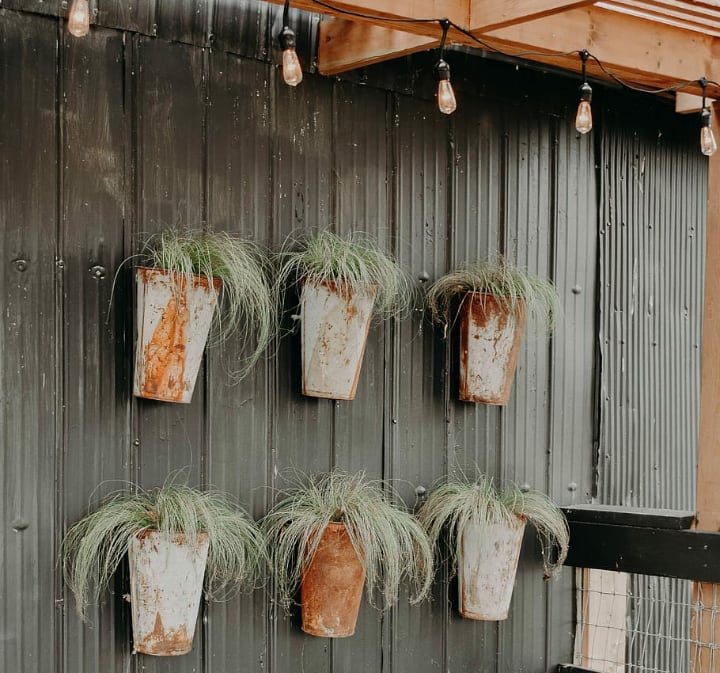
column 139, row 17
column 420, row 152
column 652, row 262
column 96, row 342
column 30, row 628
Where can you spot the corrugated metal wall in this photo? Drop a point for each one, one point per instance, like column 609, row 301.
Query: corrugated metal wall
column 110, row 138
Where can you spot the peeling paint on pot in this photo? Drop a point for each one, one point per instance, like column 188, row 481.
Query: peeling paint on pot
column 487, row 563
column 173, row 323
column 335, row 324
column 166, row 579
column 490, row 339
column 332, row 586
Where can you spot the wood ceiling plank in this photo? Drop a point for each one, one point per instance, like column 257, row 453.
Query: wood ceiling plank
column 487, row 15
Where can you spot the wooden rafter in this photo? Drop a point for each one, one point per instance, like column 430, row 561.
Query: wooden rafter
column 652, row 43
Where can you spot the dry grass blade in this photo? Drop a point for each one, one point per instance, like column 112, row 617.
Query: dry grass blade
column 94, row 546
column 500, row 278
column 393, row 545
column 356, row 263
column 451, row 505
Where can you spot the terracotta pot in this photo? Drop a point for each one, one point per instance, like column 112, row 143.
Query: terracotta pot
column 332, row 586
column 166, row 579
column 173, row 322
column 487, row 563
column 335, row 324
column 490, row 339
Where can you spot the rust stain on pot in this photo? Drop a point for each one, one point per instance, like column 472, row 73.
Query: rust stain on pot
column 165, row 353
column 332, row 586
column 486, row 313
column 160, row 642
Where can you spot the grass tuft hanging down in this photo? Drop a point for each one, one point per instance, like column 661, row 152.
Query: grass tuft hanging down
column 505, row 281
column 460, row 501
column 94, row 546
column 246, row 302
column 356, row 263
column 392, row 544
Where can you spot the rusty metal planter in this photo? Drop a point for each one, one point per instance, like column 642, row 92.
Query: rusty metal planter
column 487, row 563
column 490, row 339
column 335, row 324
column 332, row 586
column 166, row 579
column 173, row 322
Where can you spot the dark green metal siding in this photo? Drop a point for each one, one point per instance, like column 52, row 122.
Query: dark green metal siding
column 110, row 138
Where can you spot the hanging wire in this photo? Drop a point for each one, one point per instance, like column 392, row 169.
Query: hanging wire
column 448, row 23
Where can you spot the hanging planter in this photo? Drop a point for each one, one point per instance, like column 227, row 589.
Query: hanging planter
column 166, row 579
column 332, row 586
column 174, row 314
column 334, row 326
column 494, row 547
column 484, row 528
column 335, row 532
column 344, row 284
column 174, row 536
column 492, row 300
column 199, row 283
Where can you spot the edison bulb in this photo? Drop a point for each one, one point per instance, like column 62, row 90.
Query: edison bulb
column 292, row 72
column 583, row 119
column 79, row 18
column 708, row 146
column 446, row 97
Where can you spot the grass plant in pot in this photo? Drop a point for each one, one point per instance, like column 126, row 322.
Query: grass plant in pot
column 174, row 536
column 195, row 283
column 343, row 283
column 483, row 527
column 492, row 300
column 336, row 532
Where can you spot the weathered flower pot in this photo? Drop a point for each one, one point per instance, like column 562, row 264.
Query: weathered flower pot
column 332, row 586
column 490, row 339
column 173, row 324
column 335, row 324
column 166, row 579
column 487, row 563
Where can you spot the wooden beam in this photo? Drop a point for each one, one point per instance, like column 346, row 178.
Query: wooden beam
column 705, row 628
column 346, row 45
column 708, row 479
column 641, row 51
column 487, row 15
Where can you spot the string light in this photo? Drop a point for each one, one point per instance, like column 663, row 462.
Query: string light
column 708, row 146
column 292, row 72
column 79, row 25
column 445, row 94
column 79, row 18
column 583, row 118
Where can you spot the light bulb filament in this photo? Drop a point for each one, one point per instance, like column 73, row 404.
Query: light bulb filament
column 292, row 72
column 583, row 119
column 446, row 97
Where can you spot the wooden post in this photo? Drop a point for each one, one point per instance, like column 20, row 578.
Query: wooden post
column 705, row 630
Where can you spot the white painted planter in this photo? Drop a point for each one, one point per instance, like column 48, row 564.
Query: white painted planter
column 490, row 339
column 173, row 322
column 487, row 563
column 166, row 579
column 335, row 325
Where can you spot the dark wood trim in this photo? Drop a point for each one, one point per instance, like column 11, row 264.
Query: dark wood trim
column 570, row 668
column 669, row 519
column 686, row 554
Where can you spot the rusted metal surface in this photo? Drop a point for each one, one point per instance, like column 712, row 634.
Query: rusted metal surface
column 488, row 556
column 335, row 325
column 332, row 586
column 173, row 325
column 490, row 337
column 166, row 580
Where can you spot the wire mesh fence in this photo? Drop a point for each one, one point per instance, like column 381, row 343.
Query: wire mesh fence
column 646, row 624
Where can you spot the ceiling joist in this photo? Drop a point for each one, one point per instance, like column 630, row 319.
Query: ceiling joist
column 627, row 36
